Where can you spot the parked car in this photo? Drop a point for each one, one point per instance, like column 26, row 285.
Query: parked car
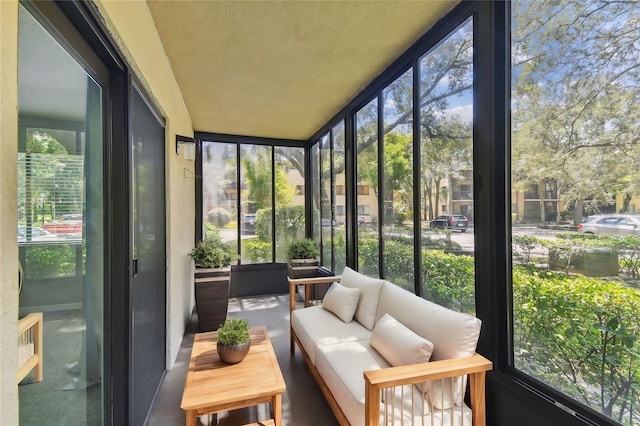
column 249, row 223
column 67, row 224
column 37, row 234
column 456, row 222
column 621, row 224
column 327, row 223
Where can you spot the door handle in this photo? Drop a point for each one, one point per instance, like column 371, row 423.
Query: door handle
column 135, row 266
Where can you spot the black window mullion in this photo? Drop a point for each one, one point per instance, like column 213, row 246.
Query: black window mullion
column 351, row 183
column 198, row 188
column 308, row 192
column 380, row 183
column 332, row 200
column 273, row 205
column 417, row 183
column 238, row 203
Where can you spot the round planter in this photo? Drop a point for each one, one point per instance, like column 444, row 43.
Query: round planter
column 235, row 353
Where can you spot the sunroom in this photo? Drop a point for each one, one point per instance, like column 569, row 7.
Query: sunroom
column 451, row 148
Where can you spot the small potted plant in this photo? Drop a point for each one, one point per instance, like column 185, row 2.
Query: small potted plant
column 303, row 258
column 212, row 281
column 234, row 340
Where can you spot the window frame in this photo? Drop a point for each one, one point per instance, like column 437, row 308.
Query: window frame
column 239, row 141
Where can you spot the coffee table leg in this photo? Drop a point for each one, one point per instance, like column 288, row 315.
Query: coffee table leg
column 276, row 405
column 191, row 418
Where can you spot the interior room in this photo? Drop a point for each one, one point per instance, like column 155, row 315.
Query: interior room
column 476, row 159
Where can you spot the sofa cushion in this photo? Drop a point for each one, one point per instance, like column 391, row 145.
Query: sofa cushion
column 316, row 326
column 342, row 366
column 341, row 301
column 370, row 289
column 397, row 344
column 453, row 334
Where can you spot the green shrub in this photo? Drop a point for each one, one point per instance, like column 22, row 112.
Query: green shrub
column 289, row 223
column 234, row 331
column 218, row 217
column 581, row 334
column 51, row 261
column 256, row 250
column 305, row 248
column 449, row 280
column 212, row 252
column 522, row 247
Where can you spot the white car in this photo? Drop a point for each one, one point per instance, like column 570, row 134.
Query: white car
column 621, row 224
column 37, row 234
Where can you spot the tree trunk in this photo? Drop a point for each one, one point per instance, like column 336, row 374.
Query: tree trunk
column 577, row 213
column 543, row 216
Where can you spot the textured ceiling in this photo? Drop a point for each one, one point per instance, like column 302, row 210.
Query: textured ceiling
column 282, row 69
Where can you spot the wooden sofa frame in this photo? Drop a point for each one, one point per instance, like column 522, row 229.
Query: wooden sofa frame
column 475, row 367
column 31, row 325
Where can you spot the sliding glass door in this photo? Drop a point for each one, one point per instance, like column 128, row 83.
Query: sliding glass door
column 61, row 227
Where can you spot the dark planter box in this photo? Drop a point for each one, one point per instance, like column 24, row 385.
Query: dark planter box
column 255, row 279
column 592, row 262
column 303, row 268
column 309, row 268
column 212, row 297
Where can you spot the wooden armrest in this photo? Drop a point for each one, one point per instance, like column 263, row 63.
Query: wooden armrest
column 307, row 283
column 475, row 366
column 29, row 321
column 434, row 370
column 311, row 281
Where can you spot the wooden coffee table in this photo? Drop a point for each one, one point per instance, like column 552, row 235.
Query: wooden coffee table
column 213, row 386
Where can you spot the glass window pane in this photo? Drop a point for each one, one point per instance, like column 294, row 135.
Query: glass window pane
column 574, row 155
column 256, row 193
column 317, row 190
column 326, row 200
column 446, row 156
column 340, row 201
column 290, row 184
column 61, row 228
column 220, row 191
column 397, row 192
column 367, row 194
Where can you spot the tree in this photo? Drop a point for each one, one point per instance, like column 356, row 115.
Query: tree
column 575, row 98
column 256, row 168
column 445, row 73
column 49, row 178
column 446, row 151
column 398, row 175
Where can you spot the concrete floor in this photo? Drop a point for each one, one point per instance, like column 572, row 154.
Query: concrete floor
column 302, row 403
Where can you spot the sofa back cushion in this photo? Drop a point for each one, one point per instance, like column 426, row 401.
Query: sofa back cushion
column 370, row 289
column 453, row 334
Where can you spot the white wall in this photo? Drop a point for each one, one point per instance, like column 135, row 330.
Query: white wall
column 8, row 212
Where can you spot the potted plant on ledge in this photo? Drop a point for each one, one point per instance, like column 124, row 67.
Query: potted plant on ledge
column 234, row 340
column 212, row 281
column 303, row 258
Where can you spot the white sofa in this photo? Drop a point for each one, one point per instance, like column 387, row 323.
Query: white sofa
column 382, row 355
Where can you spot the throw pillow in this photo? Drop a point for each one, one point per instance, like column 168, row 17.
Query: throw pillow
column 370, row 289
column 397, row 344
column 341, row 301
